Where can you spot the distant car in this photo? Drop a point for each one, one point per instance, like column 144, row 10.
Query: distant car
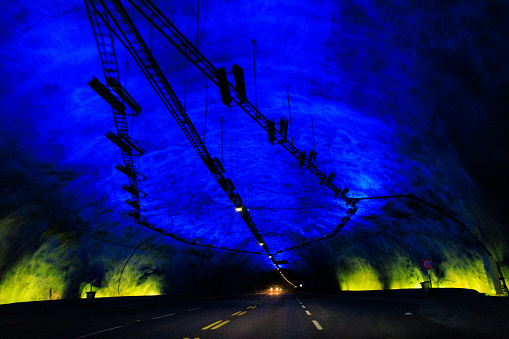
column 275, row 288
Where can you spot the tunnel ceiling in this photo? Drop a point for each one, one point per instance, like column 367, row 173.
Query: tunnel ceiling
column 397, row 99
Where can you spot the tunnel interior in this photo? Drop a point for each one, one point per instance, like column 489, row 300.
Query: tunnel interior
column 405, row 102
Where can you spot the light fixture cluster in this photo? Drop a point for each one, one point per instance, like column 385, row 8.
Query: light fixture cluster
column 288, row 281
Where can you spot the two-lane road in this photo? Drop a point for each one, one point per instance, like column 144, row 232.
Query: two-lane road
column 284, row 315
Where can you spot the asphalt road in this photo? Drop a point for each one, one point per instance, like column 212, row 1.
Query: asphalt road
column 286, row 315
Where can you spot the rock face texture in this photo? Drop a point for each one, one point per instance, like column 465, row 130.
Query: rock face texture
column 405, row 101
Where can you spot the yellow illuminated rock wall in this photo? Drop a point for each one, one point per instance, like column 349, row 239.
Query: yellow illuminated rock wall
column 41, row 276
column 358, row 276
column 137, row 280
column 453, row 272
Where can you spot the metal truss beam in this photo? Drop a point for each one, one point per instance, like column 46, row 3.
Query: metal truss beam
column 104, row 40
column 173, row 35
column 113, row 15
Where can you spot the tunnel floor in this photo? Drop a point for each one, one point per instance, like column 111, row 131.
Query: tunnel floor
column 447, row 313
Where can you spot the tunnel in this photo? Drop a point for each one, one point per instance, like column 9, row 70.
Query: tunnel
column 175, row 155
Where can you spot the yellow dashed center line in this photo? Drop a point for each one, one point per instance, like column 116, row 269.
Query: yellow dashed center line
column 221, row 324
column 317, row 325
column 207, row 327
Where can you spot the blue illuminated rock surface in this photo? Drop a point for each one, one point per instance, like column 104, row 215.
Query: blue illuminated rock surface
column 407, row 98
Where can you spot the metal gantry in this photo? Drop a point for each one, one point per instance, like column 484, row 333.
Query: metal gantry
column 170, row 32
column 104, row 40
column 114, row 16
column 110, row 17
column 218, row 77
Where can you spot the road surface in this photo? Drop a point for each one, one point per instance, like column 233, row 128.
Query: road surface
column 286, row 315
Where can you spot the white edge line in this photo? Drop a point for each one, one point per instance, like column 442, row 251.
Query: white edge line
column 303, row 306
column 308, row 313
column 193, row 309
column 163, row 316
column 318, row 327
column 106, row 330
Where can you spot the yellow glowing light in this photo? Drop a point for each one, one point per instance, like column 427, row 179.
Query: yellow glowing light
column 401, row 273
column 39, row 277
column 359, row 276
column 238, row 209
column 133, row 282
column 462, row 272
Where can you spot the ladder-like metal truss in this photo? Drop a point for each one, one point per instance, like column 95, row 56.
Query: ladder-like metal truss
column 104, row 41
column 170, row 32
column 114, row 16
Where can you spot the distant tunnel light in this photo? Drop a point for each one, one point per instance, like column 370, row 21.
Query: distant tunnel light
column 224, row 88
column 105, row 93
column 240, row 86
